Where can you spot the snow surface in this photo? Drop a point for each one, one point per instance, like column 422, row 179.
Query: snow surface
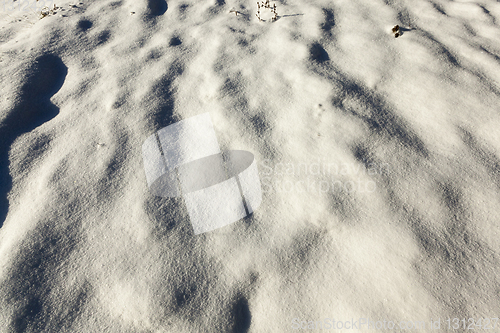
column 408, row 128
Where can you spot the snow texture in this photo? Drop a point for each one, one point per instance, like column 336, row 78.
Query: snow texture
column 379, row 159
